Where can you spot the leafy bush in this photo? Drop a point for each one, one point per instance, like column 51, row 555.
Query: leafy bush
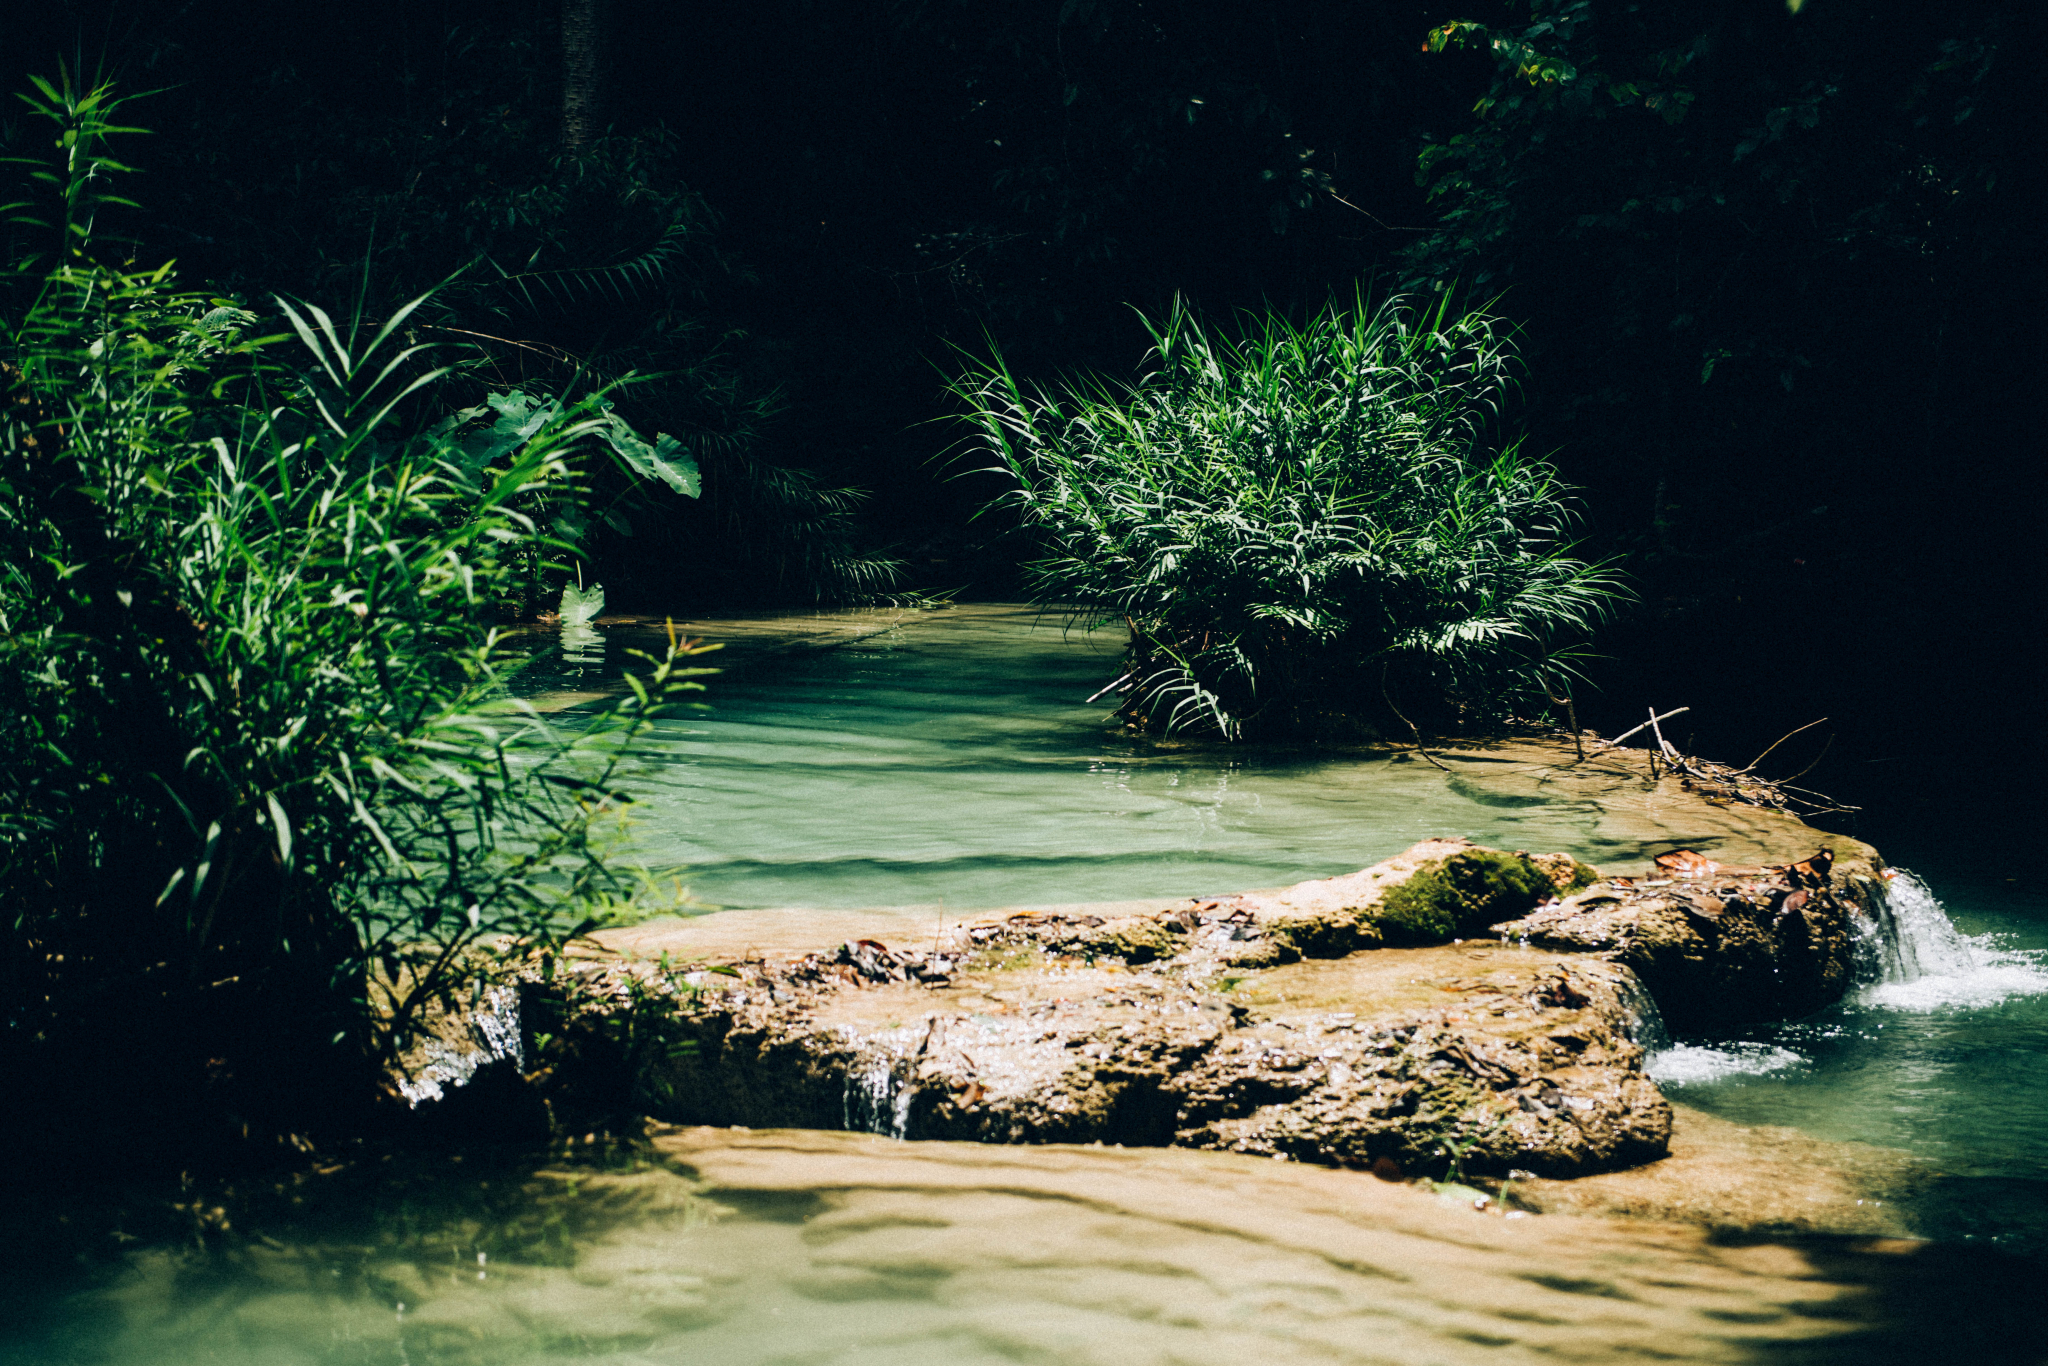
column 556, row 267
column 1302, row 525
column 261, row 802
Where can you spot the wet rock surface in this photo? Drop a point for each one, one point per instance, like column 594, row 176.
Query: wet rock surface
column 1758, row 1181
column 1415, row 1062
column 1267, row 1023
column 1718, row 945
column 1250, row 1025
column 1433, row 891
column 1448, row 1059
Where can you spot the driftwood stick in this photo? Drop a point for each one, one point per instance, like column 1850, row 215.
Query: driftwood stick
column 1816, row 758
column 1662, row 743
column 1821, row 796
column 1646, row 725
column 1120, row 682
column 1405, row 721
column 1781, row 740
column 1571, row 713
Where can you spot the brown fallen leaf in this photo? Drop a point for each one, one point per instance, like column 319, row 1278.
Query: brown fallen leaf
column 1686, row 863
column 1813, row 872
column 1706, row 908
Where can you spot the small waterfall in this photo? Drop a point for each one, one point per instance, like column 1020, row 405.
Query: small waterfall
column 1910, row 957
column 1916, row 937
column 1923, row 962
column 1670, row 1063
column 491, row 1033
column 1646, row 1028
column 879, row 1091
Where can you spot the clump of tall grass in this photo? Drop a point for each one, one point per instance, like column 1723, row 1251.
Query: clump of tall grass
column 262, row 805
column 1305, row 528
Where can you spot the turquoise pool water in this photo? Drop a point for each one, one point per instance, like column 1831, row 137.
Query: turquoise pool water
column 1947, row 1060
column 956, row 761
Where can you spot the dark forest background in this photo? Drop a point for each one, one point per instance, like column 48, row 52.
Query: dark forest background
column 1776, row 271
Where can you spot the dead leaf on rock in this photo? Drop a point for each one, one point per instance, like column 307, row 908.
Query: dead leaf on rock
column 1686, row 863
column 1813, row 872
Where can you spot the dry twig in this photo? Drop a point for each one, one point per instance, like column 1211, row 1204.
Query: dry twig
column 1781, row 740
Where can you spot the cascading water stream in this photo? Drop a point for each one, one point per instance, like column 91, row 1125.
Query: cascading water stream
column 1910, row 957
column 1933, row 1067
column 1927, row 963
column 879, row 1091
column 492, row 1033
column 1646, row 1028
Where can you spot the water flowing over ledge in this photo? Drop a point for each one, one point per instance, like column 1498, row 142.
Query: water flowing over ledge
column 979, row 780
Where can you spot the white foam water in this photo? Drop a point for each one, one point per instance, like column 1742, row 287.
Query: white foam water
column 879, row 1091
column 1689, row 1064
column 1931, row 965
column 1914, row 960
column 492, row 1033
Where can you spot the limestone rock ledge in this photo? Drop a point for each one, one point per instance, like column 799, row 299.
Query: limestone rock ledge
column 1285, row 1024
column 1254, row 1025
column 1718, row 945
column 1434, row 1059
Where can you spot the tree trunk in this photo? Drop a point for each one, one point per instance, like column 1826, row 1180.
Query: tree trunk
column 582, row 60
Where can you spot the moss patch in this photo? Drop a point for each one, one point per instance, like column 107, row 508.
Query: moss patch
column 1567, row 873
column 1461, row 895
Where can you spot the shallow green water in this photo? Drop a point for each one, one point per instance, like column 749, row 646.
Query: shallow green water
column 853, row 1250
column 1947, row 1058
column 956, row 761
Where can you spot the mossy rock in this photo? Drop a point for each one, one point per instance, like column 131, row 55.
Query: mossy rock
column 1328, row 935
column 1566, row 873
column 1135, row 940
column 1461, row 895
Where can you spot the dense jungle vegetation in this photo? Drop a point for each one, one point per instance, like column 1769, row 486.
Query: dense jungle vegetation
column 1295, row 525
column 263, row 805
column 1389, row 367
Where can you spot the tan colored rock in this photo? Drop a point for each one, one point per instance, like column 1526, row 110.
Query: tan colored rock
column 1032, row 1030
column 1765, row 1180
column 1433, row 891
column 1266, row 1023
column 1719, row 945
column 1433, row 1059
